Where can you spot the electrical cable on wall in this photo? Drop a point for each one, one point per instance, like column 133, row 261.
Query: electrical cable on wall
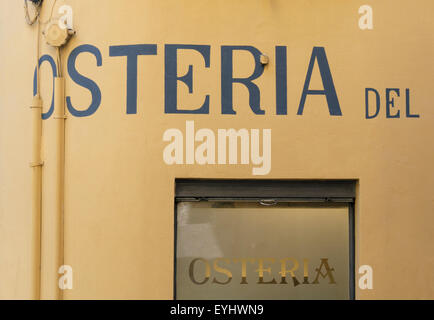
column 54, row 34
column 37, row 5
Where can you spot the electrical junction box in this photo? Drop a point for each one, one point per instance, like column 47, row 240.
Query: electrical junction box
column 55, row 35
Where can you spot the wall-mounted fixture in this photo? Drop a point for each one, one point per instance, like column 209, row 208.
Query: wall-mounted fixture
column 55, row 35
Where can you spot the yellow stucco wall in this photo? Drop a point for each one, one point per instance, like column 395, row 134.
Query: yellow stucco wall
column 119, row 192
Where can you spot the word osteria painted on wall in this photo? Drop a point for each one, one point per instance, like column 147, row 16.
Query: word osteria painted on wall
column 214, row 152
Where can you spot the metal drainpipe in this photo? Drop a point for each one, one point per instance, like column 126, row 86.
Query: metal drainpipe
column 36, row 166
column 54, row 224
column 59, row 116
